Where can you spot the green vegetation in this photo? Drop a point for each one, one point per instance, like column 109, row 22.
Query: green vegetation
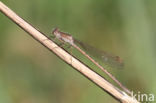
column 29, row 73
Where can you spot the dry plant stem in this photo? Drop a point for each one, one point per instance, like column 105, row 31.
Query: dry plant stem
column 97, row 79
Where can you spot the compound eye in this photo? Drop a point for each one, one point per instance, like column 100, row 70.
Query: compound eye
column 55, row 30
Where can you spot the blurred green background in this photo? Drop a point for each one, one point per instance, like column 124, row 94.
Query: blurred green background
column 29, row 73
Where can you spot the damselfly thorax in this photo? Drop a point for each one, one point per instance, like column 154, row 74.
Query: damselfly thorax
column 63, row 36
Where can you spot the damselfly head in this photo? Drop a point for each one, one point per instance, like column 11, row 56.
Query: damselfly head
column 55, row 31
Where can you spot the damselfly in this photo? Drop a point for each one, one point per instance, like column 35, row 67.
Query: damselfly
column 65, row 37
